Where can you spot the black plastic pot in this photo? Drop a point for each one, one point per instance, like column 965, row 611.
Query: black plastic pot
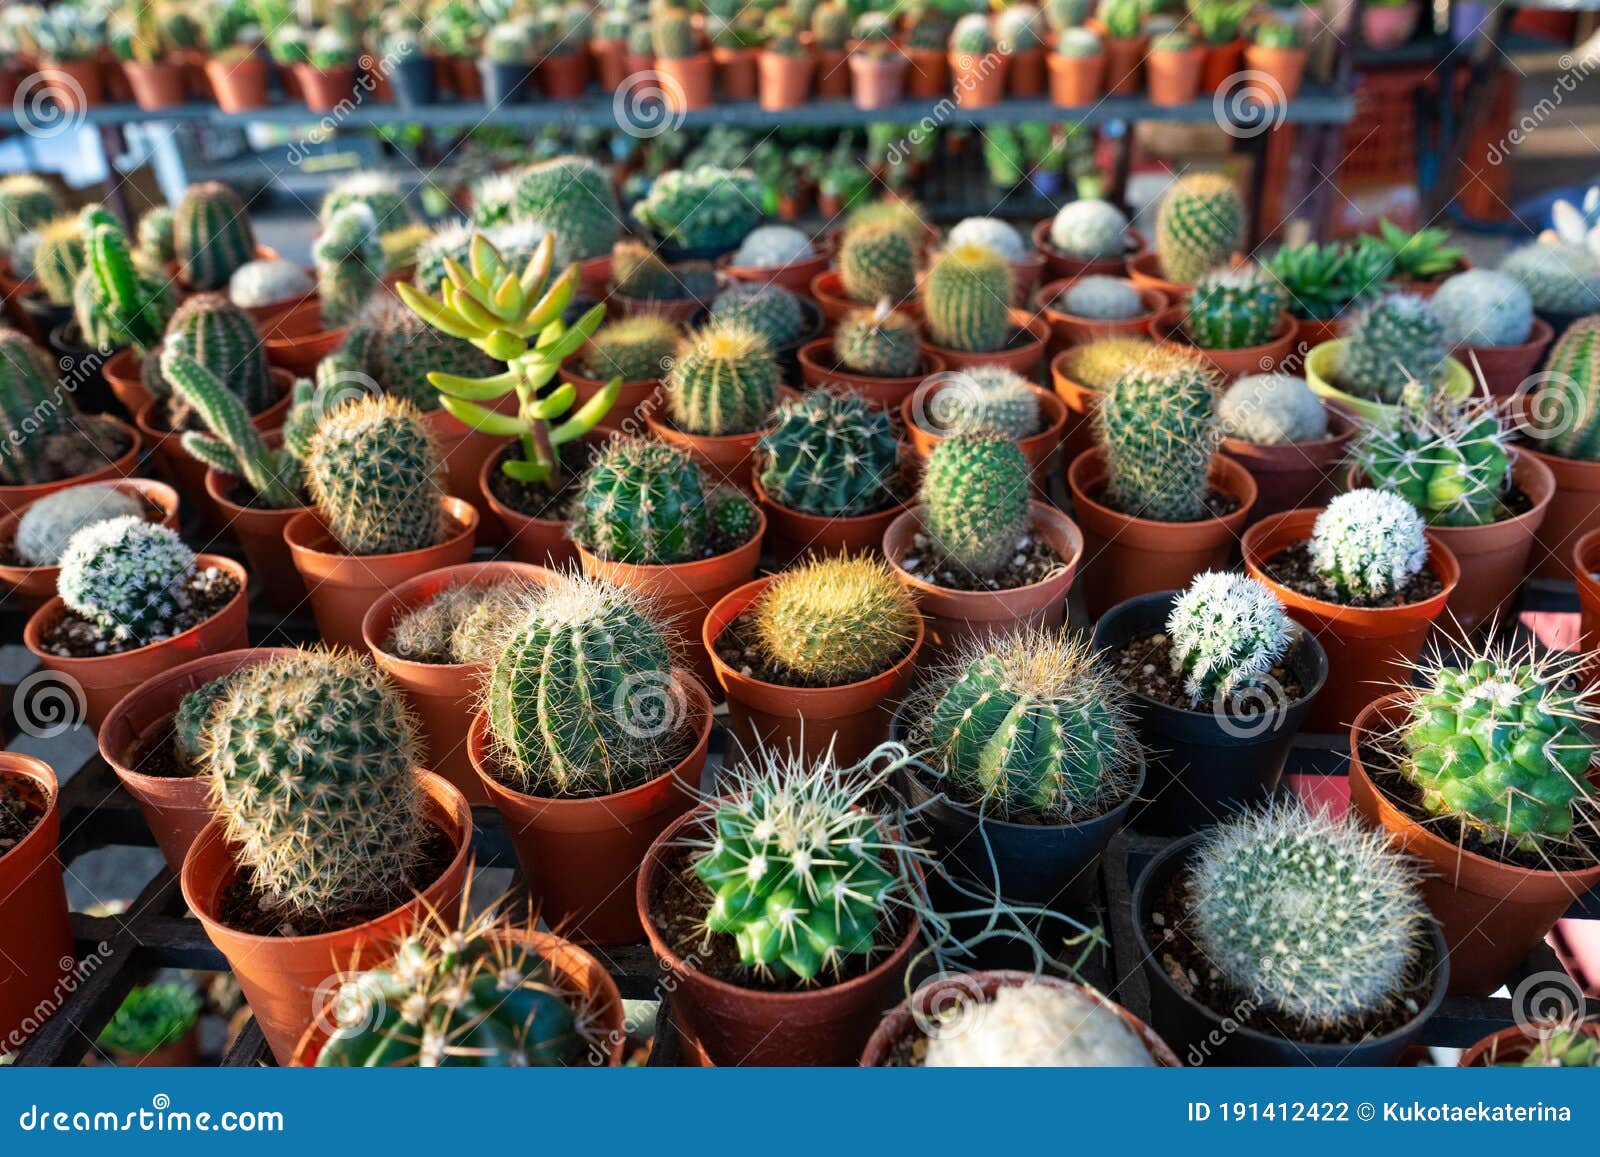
column 45, row 314
column 414, row 82
column 80, row 368
column 1201, row 1035
column 1204, row 764
column 505, row 83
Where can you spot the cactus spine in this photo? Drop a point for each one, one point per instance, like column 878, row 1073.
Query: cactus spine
column 877, row 261
column 830, row 455
column 129, row 576
column 724, row 382
column 835, row 620
column 967, row 300
column 374, row 474
column 1226, row 632
column 1200, row 222
column 975, row 501
column 1368, row 544
column 878, row 342
column 1158, row 428
column 643, row 502
column 211, row 235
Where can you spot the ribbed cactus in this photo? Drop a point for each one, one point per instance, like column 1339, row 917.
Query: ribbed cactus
column 1272, row 410
column 770, row 310
column 1234, row 308
column 966, row 300
column 117, row 302
column 1316, row 919
column 374, row 473
column 1226, row 631
column 1483, row 308
column 1031, row 727
column 989, row 233
column 1448, row 459
column 349, row 260
column 59, row 258
column 154, row 237
column 706, row 207
column 985, row 398
column 725, row 381
column 26, row 203
column 190, row 721
column 635, row 349
column 46, row 526
column 975, row 501
column 1565, row 412
column 222, row 338
column 402, row 350
column 1201, row 221
column 379, row 192
column 211, row 235
column 570, row 694
column 1157, row 426
column 1098, row 363
column 1561, row 277
column 234, row 446
column 671, row 33
column 1500, row 739
column 878, row 342
column 1397, row 338
column 1101, row 299
column 312, row 759
column 1090, row 230
column 642, row 502
column 572, row 198
column 1032, row 1025
column 1368, row 544
column 835, row 620
column 877, row 261
column 129, row 576
column 830, row 455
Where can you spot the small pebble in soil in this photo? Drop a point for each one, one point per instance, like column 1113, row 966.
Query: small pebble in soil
column 73, row 636
column 1035, row 561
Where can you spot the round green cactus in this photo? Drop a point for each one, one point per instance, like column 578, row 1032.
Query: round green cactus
column 211, row 234
column 635, row 349
column 1448, row 459
column 1234, row 308
column 129, row 576
column 706, row 207
column 983, row 398
column 643, row 502
column 966, row 300
column 190, row 721
column 1226, row 631
column 877, row 261
column 1397, row 339
column 1484, row 308
column 830, row 455
column 374, row 473
column 571, row 197
column 1158, row 429
column 1201, row 221
column 725, row 381
column 975, row 501
column 379, row 192
column 154, row 236
column 222, row 338
column 878, row 342
column 1368, row 544
column 769, row 310
column 835, row 620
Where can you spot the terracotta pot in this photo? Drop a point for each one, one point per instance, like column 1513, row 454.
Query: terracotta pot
column 956, row 618
column 628, row 413
column 463, row 450
column 296, row 339
column 1127, row 556
column 1219, row 62
column 1573, row 512
column 1144, row 270
column 1125, row 64
column 581, row 857
column 1492, row 914
column 537, row 541
column 686, row 82
column 725, row 458
column 107, row 678
column 1294, row 475
column 610, row 61
column 849, row 720
column 37, row 954
column 29, row 587
column 1059, row 266
column 443, row 696
column 325, row 89
column 793, row 534
column 827, row 290
column 259, row 530
column 15, row 498
column 466, row 79
column 928, row 77
column 77, row 85
column 1025, row 72
column 833, row 73
column 1173, row 78
column 819, row 369
column 240, row 85
column 826, row 1025
column 978, row 81
column 1283, row 68
column 785, row 80
column 1168, row 330
column 265, row 312
column 1025, row 278
column 919, row 414
column 155, row 86
column 635, row 63
column 564, row 77
column 1512, row 1045
column 1585, row 569
column 1068, row 329
column 1368, row 647
column 1077, row 433
column 876, row 81
column 941, row 993
column 684, row 592
column 796, row 277
column 182, row 1053
column 1023, row 354
column 286, row 978
column 736, row 72
column 1504, row 368
column 1076, row 80
column 342, row 586
column 175, row 807
column 121, row 372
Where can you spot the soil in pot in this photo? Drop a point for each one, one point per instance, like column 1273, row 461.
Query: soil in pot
column 72, row 636
column 1293, row 568
column 1036, row 560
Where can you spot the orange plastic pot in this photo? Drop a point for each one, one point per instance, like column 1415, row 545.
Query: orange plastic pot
column 107, row 678
column 876, row 81
column 1077, row 434
column 442, row 695
column 176, row 808
column 1068, row 329
column 30, row 587
column 610, row 58
column 736, row 72
column 955, row 618
column 288, row 979
column 1025, row 277
column 1259, row 359
column 1368, row 647
column 1126, row 556
column 978, row 81
column 122, row 373
column 1573, row 512
column 296, row 339
column 537, row 541
column 1511, row 1046
column 1219, row 62
column 849, row 720
column 1026, row 72
column 1125, row 64
column 833, row 73
column 678, row 310
column 1076, row 80
column 686, row 83
column 1173, row 78
column 564, row 77
column 819, row 369
column 324, row 90
column 1023, row 354
column 1294, row 475
column 342, row 586
column 580, row 857
column 15, row 498
column 628, row 413
column 240, row 85
column 827, row 290
column 795, row 277
column 1283, row 68
column 77, row 85
column 1145, row 271
column 917, row 411
column 727, row 459
column 1492, row 914
column 463, row 450
column 928, row 75
column 155, row 86
column 785, row 80
column 36, row 950
column 793, row 534
column 259, row 531
column 1059, row 266
column 1505, row 367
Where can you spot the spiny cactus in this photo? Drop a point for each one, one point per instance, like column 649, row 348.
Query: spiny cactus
column 1500, row 739
column 403, row 350
column 1272, row 410
column 1157, row 426
column 46, row 526
column 970, row 36
column 769, row 310
column 46, row 439
column 966, row 300
column 830, row 455
column 190, row 721
column 428, row 633
column 1314, row 918
column 1561, row 277
column 59, row 258
column 1565, row 1047
column 706, row 207
column 1090, row 230
column 1031, row 727
column 154, row 237
column 1448, row 459
column 234, row 446
column 267, row 282
column 116, row 302
column 878, row 342
column 401, row 246
column 975, row 501
column 635, row 349
column 772, row 247
column 1398, row 337
column 877, row 261
column 569, row 692
column 1226, row 632
column 1201, row 221
column 1483, row 308
column 1034, row 1025
column 835, row 620
column 129, row 576
column 348, row 256
column 671, row 34
column 1368, row 544
column 1101, row 299
column 312, row 760
column 211, row 234
column 26, row 202
column 480, row 626
column 724, row 382
column 636, row 271
column 571, row 197
column 986, row 398
column 989, row 233
column 379, row 192
column 643, row 502
column 373, row 471
column 1565, row 412
column 1234, row 308
column 1098, row 363
column 222, row 338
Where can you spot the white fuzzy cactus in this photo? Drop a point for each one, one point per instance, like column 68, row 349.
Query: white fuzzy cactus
column 1226, row 631
column 266, row 282
column 1036, row 1026
column 772, row 246
column 1272, row 410
column 1089, row 230
column 1562, row 278
column 1315, row 918
column 45, row 527
column 989, row 233
column 1368, row 544
column 1483, row 307
column 129, row 576
column 1101, row 299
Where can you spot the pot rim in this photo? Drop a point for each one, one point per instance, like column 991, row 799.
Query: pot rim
column 1536, row 340
column 32, row 769
column 297, row 532
column 119, row 466
column 666, row 430
column 651, row 568
column 501, row 510
column 1035, row 508
column 932, row 364
column 817, row 260
column 1516, row 1036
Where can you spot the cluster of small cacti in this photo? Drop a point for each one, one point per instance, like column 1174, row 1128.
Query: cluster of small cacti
column 1157, row 427
column 450, row 627
column 1090, row 230
column 379, row 192
column 1234, row 308
column 1396, row 339
column 348, row 256
column 878, row 342
column 1272, row 410
column 835, row 620
column 373, row 470
column 635, row 349
column 1368, row 544
column 1200, row 223
column 1225, row 631
column 1033, row 1025
column 211, row 234
column 1562, row 278
column 45, row 437
column 1484, row 308
column 1448, row 459
column 572, row 198
column 830, row 455
column 769, row 310
column 1096, row 364
column 127, row 576
column 983, row 398
column 1101, row 299
column 989, row 233
column 1570, row 394
column 1565, row 1046
column 724, row 381
column 975, row 501
column 268, row 282
column 966, row 300
column 877, row 262
column 772, row 247
column 707, row 207
column 48, row 524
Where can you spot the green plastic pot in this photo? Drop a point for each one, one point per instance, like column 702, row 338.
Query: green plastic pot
column 1320, row 365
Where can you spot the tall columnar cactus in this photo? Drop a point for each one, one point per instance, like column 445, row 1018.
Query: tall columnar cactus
column 26, row 202
column 835, row 620
column 48, row 524
column 1500, row 739
column 975, row 501
column 877, row 261
column 379, row 192
column 1448, row 459
column 643, row 502
column 770, row 310
column 154, row 237
column 1234, row 308
column 129, row 576
column 1032, row 1025
column 1314, row 918
column 1201, row 221
column 374, row 473
column 222, row 337
column 1090, row 230
column 1397, row 338
column 1272, row 410
column 569, row 695
column 830, row 455
column 1565, row 412
column 1226, row 632
column 572, row 198
column 1033, row 727
column 1561, row 277
column 986, row 398
column 59, row 258
column 725, row 381
column 348, row 256
column 116, row 301
column 1368, row 544
column 211, row 234
column 1158, row 429
column 234, row 446
column 635, row 349
column 1484, row 308
column 966, row 300
column 878, row 342
column 312, row 760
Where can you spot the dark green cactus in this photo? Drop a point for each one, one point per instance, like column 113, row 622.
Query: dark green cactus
column 835, row 620
column 211, row 235
column 635, row 349
column 769, row 310
column 190, row 721
column 1565, row 412
column 234, row 446
column 725, row 381
column 1397, row 339
column 1201, row 221
column 877, row 260
column 878, row 342
column 374, row 474
column 830, row 455
column 222, row 338
column 116, row 302
column 975, row 501
column 643, row 502
column 966, row 300
column 1234, row 309
column 349, row 261
column 1158, row 429
column 1448, row 459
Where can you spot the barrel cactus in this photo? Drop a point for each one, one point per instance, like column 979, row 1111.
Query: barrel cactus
column 127, row 576
column 1564, row 414
column 570, row 196
column 26, row 202
column 966, row 300
column 1157, row 426
column 877, row 261
column 1201, row 221
column 1272, row 410
column 725, row 381
column 1226, row 632
column 635, row 349
column 1448, row 459
column 1101, row 299
column 830, row 455
column 1562, row 278
column 643, row 502
column 348, row 256
column 975, row 501
column 222, row 337
column 1234, row 309
column 402, row 349
column 985, row 398
column 1090, row 230
column 834, row 621
column 1483, row 308
column 1398, row 338
column 769, row 310
column 211, row 234
column 1368, row 544
column 374, row 473
column 154, row 237
column 878, row 342
column 190, row 721
column 47, row 525
column 59, row 258
column 1033, row 1025
column 703, row 208
column 1096, row 364
column 989, row 233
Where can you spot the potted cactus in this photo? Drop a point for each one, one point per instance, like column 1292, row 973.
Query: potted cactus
column 1507, row 836
column 643, row 284
column 721, row 396
column 1156, row 503
column 1568, row 1044
column 413, row 70
column 1077, row 68
column 982, row 559
column 1000, row 237
column 155, row 1026
column 1399, row 338
column 614, row 26
column 1086, row 236
column 563, row 38
column 1288, row 438
column 829, row 30
column 744, row 992
column 1560, row 427
column 327, row 76
column 590, row 741
column 147, row 41
column 684, row 67
column 877, row 262
column 35, row 929
column 322, row 850
column 120, row 301
column 1218, row 680
column 1235, row 318
column 638, row 350
column 785, row 67
column 785, row 321
column 1088, row 307
column 702, row 212
column 1019, row 33
column 779, row 255
column 212, row 236
column 987, row 397
column 1326, row 282
column 1172, row 68
column 1563, row 279
column 265, row 288
column 71, row 42
column 1357, row 967
column 1199, row 225
column 1126, row 45
column 877, row 68
column 1489, row 320
column 1278, row 52
column 967, row 314
column 977, row 70
column 925, row 43
column 511, row 49
column 1081, row 373
column 1218, row 23
column 735, row 33
column 875, row 353
column 1367, row 577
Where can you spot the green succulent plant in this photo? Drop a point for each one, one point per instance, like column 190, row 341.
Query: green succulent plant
column 830, row 455
column 835, row 620
column 975, row 501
